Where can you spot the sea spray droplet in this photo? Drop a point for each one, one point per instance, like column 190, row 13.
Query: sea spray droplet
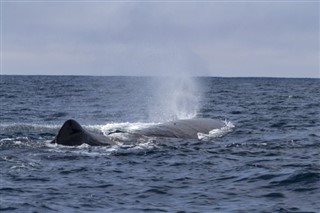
column 174, row 98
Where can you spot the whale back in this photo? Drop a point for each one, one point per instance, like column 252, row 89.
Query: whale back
column 188, row 128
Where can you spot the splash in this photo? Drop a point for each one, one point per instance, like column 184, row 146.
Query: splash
column 174, row 98
column 217, row 133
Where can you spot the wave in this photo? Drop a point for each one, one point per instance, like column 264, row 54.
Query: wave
column 27, row 128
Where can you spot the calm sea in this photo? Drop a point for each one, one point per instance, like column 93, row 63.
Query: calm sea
column 267, row 161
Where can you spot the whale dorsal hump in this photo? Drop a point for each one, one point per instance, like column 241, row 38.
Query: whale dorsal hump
column 70, row 134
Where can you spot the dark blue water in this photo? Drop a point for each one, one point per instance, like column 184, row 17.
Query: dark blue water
column 269, row 162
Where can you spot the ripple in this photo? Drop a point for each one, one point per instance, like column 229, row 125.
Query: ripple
column 8, row 208
column 274, row 195
column 301, row 177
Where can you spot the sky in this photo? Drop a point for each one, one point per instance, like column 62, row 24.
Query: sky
column 161, row 38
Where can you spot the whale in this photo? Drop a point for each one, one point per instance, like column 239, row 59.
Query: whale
column 73, row 134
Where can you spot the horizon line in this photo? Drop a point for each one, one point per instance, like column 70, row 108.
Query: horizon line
column 157, row 76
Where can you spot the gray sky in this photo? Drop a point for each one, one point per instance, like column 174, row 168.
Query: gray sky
column 227, row 39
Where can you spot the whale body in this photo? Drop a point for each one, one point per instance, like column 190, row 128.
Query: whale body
column 73, row 134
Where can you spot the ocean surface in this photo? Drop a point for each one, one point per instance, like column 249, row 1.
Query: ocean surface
column 266, row 160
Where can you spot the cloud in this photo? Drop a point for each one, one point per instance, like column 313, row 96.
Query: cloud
column 161, row 38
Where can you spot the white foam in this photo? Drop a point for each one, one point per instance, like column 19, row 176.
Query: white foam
column 125, row 126
column 217, row 133
column 7, row 139
column 86, row 150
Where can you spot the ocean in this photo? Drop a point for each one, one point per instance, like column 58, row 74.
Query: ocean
column 268, row 159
